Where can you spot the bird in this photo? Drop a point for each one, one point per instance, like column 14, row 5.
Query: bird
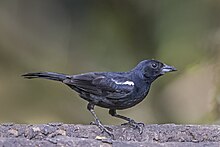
column 112, row 90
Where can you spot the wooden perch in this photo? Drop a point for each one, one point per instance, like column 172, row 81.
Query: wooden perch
column 58, row 134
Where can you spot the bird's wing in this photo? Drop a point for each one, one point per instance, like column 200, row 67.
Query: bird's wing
column 101, row 85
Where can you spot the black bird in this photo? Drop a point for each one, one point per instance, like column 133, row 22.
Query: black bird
column 112, row 90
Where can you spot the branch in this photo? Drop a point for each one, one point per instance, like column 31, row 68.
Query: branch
column 87, row 135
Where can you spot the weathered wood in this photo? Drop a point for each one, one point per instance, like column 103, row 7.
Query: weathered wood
column 58, row 134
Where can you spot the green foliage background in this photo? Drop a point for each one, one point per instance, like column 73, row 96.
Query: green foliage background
column 76, row 36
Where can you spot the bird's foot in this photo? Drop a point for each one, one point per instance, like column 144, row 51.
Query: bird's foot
column 135, row 125
column 103, row 128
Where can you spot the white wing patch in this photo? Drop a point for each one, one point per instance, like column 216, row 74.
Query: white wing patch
column 124, row 83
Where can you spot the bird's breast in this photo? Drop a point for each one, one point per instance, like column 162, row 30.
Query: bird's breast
column 134, row 98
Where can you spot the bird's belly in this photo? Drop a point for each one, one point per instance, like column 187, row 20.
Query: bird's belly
column 116, row 103
column 120, row 103
column 130, row 102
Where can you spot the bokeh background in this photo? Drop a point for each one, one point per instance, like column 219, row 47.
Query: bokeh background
column 77, row 36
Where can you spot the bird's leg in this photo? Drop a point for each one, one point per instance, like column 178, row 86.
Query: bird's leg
column 131, row 122
column 97, row 122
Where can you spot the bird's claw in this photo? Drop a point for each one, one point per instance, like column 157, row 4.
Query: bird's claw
column 135, row 125
column 103, row 129
column 93, row 123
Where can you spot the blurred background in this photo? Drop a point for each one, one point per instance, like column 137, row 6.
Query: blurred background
column 73, row 37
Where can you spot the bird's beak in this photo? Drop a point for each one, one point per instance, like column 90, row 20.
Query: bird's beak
column 167, row 68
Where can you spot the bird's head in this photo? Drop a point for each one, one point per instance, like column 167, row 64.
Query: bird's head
column 152, row 69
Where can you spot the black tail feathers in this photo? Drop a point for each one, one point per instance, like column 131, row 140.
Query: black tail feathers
column 46, row 75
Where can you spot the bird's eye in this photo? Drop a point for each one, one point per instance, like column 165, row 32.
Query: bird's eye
column 154, row 65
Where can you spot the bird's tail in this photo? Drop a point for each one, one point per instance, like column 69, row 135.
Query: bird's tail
column 46, row 75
